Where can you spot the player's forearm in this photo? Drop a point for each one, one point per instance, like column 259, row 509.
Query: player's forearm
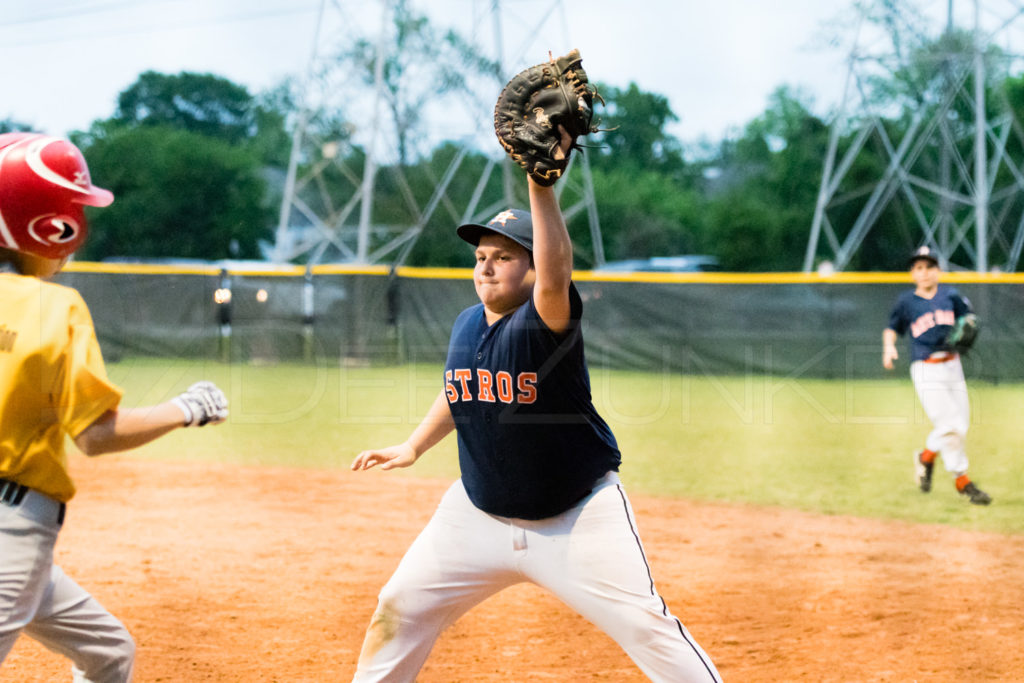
column 552, row 258
column 127, row 428
column 552, row 248
column 436, row 425
column 888, row 338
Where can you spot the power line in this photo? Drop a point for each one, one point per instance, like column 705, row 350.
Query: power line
column 157, row 28
column 79, row 10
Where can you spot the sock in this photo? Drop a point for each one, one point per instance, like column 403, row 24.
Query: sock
column 927, row 456
column 962, row 481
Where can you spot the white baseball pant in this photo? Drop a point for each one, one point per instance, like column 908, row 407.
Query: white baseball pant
column 942, row 390
column 39, row 599
column 590, row 557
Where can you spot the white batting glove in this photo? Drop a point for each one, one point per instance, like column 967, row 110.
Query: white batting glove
column 202, row 404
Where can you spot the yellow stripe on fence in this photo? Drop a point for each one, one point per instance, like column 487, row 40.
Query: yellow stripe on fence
column 288, row 270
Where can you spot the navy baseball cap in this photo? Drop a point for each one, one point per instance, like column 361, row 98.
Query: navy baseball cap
column 515, row 224
column 923, row 254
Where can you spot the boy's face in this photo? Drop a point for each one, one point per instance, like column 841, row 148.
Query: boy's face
column 924, row 273
column 503, row 275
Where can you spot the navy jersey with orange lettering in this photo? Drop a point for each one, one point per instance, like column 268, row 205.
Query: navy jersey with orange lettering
column 531, row 443
column 927, row 320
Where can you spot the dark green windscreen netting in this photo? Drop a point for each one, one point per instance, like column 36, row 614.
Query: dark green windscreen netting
column 828, row 330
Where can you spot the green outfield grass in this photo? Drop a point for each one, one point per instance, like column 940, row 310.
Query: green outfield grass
column 830, row 446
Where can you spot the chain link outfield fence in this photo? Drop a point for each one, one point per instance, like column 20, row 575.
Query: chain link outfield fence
column 788, row 324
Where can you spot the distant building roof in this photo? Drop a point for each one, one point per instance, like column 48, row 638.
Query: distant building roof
column 691, row 263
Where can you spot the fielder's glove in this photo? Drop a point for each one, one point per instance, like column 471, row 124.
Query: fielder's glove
column 532, row 106
column 202, row 404
column 963, row 334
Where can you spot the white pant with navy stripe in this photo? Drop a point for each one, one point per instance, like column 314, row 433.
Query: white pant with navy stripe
column 942, row 390
column 590, row 557
column 39, row 599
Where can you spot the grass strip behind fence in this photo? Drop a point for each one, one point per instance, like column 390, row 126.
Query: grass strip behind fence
column 829, row 446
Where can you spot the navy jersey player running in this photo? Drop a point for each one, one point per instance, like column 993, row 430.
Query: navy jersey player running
column 539, row 499
column 927, row 313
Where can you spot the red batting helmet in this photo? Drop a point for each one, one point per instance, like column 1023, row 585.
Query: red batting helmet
column 44, row 182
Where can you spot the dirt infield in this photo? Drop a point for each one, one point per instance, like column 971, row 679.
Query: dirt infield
column 226, row 573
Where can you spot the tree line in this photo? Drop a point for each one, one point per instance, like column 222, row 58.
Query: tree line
column 197, row 163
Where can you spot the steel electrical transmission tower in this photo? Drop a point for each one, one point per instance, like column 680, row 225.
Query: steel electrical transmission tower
column 347, row 135
column 947, row 136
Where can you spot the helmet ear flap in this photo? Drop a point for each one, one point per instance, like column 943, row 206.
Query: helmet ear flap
column 58, row 229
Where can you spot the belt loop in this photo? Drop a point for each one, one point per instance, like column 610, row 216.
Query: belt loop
column 11, row 492
column 19, row 495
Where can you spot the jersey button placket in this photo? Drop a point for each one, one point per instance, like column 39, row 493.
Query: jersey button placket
column 481, row 345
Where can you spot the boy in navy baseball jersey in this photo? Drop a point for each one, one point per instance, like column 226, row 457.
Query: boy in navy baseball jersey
column 539, row 499
column 927, row 313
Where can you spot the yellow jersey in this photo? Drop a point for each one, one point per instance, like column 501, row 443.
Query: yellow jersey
column 53, row 382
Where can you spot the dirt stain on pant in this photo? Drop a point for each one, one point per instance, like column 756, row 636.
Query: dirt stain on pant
column 383, row 627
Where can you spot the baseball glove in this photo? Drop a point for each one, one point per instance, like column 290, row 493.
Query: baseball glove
column 962, row 335
column 534, row 104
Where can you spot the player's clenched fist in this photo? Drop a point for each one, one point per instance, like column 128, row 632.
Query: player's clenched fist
column 401, row 455
column 204, row 403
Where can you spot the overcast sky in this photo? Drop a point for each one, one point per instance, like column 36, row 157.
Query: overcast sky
column 65, row 61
